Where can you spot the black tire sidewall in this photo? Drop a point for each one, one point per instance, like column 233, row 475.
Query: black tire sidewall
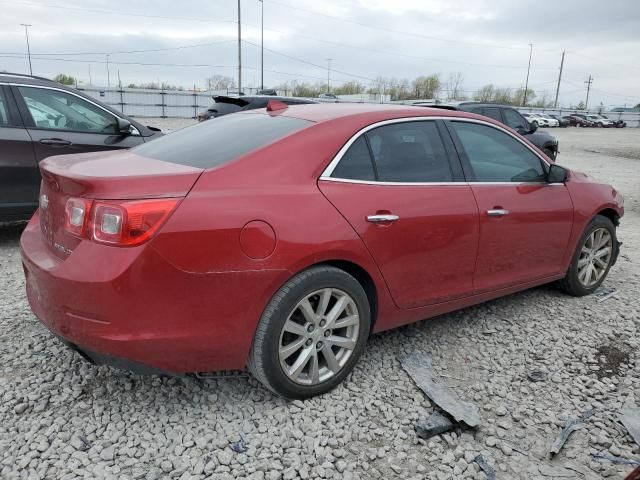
column 572, row 275
column 319, row 279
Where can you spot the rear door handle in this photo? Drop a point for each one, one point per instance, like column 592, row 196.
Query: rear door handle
column 382, row 218
column 498, row 212
column 55, row 142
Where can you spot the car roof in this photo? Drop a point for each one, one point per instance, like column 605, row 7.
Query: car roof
column 371, row 112
column 7, row 77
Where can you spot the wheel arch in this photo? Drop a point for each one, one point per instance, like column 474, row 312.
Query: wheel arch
column 611, row 214
column 363, row 277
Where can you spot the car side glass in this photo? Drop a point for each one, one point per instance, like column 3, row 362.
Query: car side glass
column 57, row 110
column 495, row 156
column 410, row 152
column 4, row 110
column 356, row 163
column 515, row 120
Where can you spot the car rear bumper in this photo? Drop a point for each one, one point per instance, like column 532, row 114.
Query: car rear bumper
column 129, row 306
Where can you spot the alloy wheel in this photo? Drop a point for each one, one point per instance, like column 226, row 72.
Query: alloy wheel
column 319, row 336
column 595, row 256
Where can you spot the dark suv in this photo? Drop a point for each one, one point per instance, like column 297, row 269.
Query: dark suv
column 40, row 118
column 510, row 117
column 226, row 104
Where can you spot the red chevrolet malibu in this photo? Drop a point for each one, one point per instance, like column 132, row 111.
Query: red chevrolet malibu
column 278, row 240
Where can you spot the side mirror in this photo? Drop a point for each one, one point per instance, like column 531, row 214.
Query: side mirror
column 533, row 127
column 124, row 126
column 556, row 174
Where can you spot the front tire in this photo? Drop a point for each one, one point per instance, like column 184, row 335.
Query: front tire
column 311, row 334
column 592, row 259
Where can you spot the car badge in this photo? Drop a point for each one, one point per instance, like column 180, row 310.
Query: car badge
column 44, row 201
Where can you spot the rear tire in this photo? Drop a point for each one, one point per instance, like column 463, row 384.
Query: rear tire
column 591, row 263
column 311, row 334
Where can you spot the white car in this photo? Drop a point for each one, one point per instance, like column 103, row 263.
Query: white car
column 600, row 121
column 537, row 119
column 552, row 121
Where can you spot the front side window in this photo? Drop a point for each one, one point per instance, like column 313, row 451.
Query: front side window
column 495, row 156
column 514, row 120
column 57, row 110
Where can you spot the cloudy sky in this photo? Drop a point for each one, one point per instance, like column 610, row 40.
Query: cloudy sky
column 183, row 42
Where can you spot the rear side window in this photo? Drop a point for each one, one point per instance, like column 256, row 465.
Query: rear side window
column 356, row 163
column 406, row 152
column 409, row 152
column 211, row 144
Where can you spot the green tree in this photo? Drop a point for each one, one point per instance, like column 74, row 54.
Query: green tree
column 64, row 79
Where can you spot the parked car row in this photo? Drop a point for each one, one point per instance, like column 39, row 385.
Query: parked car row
column 573, row 120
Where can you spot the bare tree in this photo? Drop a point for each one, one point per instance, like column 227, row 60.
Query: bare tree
column 220, row 82
column 454, row 86
column 426, row 87
column 485, row 94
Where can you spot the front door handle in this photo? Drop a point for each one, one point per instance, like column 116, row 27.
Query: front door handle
column 382, row 218
column 498, row 212
column 56, row 142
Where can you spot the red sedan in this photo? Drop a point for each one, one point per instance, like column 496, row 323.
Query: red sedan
column 277, row 240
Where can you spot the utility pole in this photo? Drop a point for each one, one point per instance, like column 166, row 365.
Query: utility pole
column 90, row 82
column 261, row 44
column 588, row 82
column 26, row 33
column 526, row 85
column 108, row 74
column 239, row 51
column 555, row 104
column 119, row 81
column 329, row 75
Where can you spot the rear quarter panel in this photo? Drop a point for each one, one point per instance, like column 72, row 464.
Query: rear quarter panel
column 203, row 235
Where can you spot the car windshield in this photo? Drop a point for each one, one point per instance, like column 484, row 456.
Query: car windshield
column 211, row 144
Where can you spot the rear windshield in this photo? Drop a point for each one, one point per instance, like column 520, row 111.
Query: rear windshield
column 216, row 142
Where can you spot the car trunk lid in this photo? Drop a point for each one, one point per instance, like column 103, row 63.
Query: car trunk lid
column 103, row 176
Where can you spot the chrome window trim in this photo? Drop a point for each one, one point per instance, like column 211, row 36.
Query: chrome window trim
column 134, row 131
column 326, row 174
column 436, row 184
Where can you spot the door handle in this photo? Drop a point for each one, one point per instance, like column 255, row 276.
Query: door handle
column 382, row 218
column 55, row 142
column 498, row 212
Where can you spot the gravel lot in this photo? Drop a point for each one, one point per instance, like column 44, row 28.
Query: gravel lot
column 63, row 418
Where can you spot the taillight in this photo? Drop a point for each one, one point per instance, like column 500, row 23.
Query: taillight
column 121, row 223
column 77, row 215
